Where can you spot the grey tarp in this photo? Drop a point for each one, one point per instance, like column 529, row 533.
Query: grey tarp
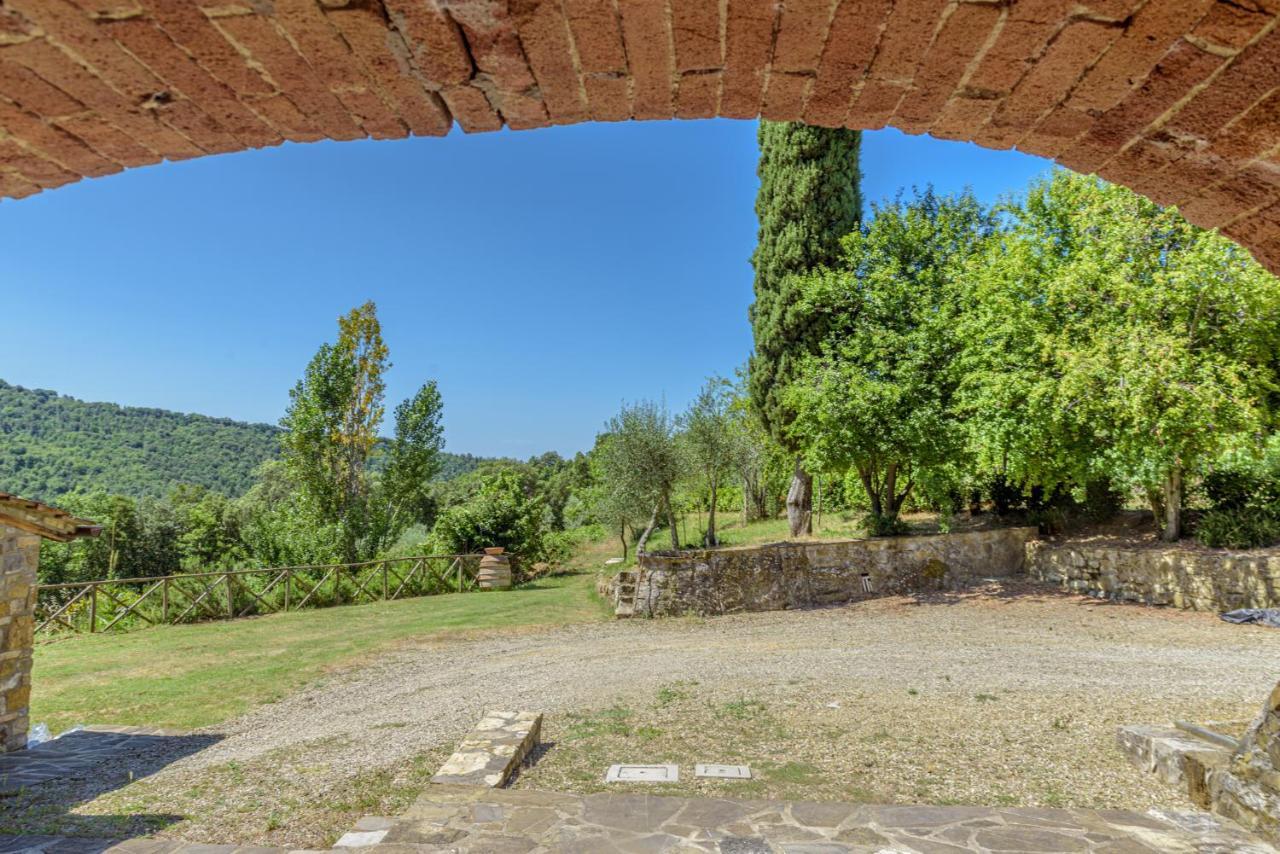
column 1263, row 616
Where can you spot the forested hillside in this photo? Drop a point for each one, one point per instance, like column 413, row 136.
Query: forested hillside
column 52, row 444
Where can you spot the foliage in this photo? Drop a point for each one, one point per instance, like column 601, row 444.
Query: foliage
column 332, row 432
column 1243, row 488
column 52, row 445
column 1111, row 337
column 500, row 513
column 641, row 460
column 808, row 200
column 709, row 440
column 879, row 398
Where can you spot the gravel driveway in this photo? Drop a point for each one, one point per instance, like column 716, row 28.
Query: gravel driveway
column 1144, row 663
column 1001, row 695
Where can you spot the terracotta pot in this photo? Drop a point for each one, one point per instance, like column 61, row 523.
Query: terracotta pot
column 495, row 572
column 494, row 550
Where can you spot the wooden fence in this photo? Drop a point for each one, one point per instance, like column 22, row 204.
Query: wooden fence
column 129, row 603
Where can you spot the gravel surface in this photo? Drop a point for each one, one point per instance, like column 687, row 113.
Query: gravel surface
column 1139, row 661
column 1007, row 695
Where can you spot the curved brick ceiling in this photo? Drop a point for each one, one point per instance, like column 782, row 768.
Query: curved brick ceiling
column 1175, row 98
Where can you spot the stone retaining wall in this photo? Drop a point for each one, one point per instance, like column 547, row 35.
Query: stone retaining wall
column 19, row 554
column 1183, row 578
column 802, row 575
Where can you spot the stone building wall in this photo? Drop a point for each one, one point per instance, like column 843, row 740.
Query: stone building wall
column 19, row 555
column 802, row 575
column 1183, row 578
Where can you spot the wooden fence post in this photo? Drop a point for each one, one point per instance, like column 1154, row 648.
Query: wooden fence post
column 164, row 601
column 93, row 609
column 231, row 599
column 288, row 588
column 459, row 574
column 384, row 581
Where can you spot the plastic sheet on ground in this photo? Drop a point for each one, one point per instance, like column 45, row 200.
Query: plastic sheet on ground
column 1261, row 616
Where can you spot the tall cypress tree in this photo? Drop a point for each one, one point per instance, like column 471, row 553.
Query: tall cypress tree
column 809, row 199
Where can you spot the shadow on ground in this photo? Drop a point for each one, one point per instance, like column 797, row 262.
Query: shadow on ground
column 41, row 788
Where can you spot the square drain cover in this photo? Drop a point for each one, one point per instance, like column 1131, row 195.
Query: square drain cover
column 642, row 774
column 727, row 772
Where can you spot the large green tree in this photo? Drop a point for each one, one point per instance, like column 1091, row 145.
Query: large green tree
column 1110, row 337
column 642, row 460
column 709, row 441
column 331, row 437
column 809, row 199
column 879, row 399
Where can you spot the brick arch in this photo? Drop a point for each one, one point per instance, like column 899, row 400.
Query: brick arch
column 1175, row 98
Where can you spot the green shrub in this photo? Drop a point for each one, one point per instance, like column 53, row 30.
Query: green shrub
column 1102, row 501
column 1243, row 491
column 499, row 514
column 1240, row 528
column 884, row 526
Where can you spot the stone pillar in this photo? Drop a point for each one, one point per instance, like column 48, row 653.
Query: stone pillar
column 19, row 555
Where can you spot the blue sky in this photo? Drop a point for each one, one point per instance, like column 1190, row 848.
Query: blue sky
column 541, row 277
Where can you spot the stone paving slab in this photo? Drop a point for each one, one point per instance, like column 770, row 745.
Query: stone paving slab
column 469, row 820
column 74, row 753
column 492, row 752
column 79, row 845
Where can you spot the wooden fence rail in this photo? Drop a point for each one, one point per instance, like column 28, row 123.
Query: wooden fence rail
column 128, row 603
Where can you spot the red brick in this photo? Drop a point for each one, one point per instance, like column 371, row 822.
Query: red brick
column 697, row 95
column 1183, row 67
column 499, row 59
column 963, row 34
column 802, row 30
column 1027, row 28
column 648, row 41
column 1049, row 80
column 471, row 109
column 53, row 144
column 609, row 96
column 385, row 58
column 597, row 38
column 962, row 117
column 906, row 38
column 1056, row 131
column 103, row 137
column 1252, row 187
column 281, row 113
column 14, row 186
column 544, row 34
column 259, row 37
column 115, row 88
column 851, row 42
column 748, row 47
column 784, row 98
column 34, row 167
column 875, row 105
column 336, row 67
column 695, row 30
column 29, row 91
column 1155, row 28
column 1249, row 76
column 183, row 75
column 1230, row 25
column 191, row 28
column 438, row 48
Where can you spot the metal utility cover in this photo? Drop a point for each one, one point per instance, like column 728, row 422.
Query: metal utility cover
column 642, row 774
column 727, row 772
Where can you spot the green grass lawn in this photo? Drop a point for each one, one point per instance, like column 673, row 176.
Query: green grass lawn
column 191, row 676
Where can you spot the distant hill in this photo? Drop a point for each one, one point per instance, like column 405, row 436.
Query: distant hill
column 51, row 444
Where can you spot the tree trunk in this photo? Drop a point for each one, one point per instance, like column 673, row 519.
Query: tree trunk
column 711, row 516
column 671, row 522
column 1172, row 507
column 800, row 502
column 622, row 535
column 648, row 529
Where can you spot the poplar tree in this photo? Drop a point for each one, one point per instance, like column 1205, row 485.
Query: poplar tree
column 809, row 199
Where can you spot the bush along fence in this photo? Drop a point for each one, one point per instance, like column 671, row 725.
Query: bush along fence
column 131, row 603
